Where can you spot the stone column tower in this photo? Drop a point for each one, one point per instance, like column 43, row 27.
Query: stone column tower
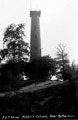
column 35, row 40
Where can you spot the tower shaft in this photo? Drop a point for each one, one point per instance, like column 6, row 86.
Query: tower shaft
column 35, row 40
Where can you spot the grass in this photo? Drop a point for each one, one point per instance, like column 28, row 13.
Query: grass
column 17, row 85
column 57, row 99
column 54, row 100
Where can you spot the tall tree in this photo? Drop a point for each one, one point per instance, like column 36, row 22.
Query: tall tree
column 62, row 59
column 13, row 40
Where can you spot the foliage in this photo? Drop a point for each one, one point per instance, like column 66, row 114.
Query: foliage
column 14, row 42
column 3, row 53
column 68, row 73
column 15, row 52
column 62, row 59
column 14, row 33
column 41, row 68
column 9, row 72
column 74, row 68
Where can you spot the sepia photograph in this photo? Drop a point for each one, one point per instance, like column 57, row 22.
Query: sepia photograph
column 39, row 59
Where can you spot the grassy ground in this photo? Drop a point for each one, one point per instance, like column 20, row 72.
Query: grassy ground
column 17, row 85
column 55, row 99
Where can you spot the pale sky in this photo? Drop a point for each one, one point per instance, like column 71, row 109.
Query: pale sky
column 58, row 22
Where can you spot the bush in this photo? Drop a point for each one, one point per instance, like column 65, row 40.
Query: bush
column 10, row 72
column 41, row 68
